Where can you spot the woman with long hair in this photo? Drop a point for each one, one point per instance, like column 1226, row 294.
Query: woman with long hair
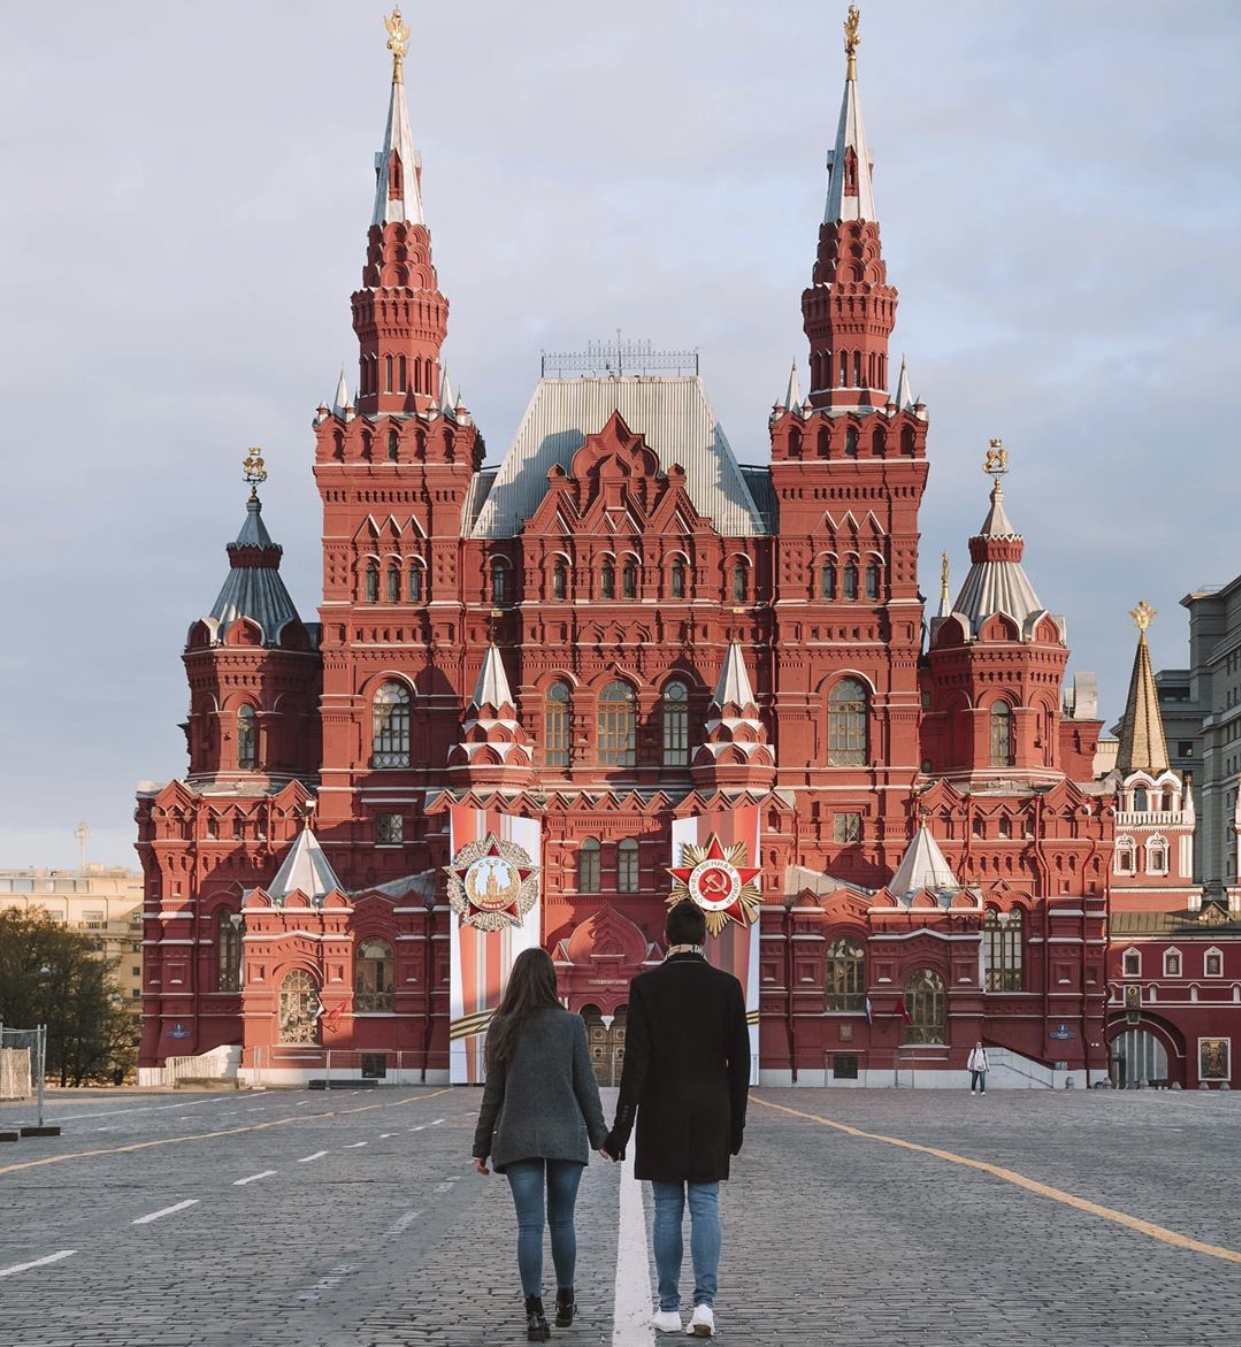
column 539, row 1119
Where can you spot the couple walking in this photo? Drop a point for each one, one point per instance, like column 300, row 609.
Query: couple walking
column 685, row 1079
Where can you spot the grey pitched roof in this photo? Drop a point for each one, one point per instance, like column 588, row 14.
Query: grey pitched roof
column 305, row 870
column 253, row 589
column 922, row 867
column 673, row 416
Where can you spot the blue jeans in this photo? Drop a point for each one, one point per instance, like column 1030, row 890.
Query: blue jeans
column 978, row 1078
column 705, row 1238
column 526, row 1178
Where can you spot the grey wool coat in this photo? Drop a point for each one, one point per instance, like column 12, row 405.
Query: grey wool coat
column 543, row 1103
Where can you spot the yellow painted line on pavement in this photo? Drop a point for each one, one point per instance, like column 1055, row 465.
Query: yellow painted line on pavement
column 1021, row 1181
column 208, row 1136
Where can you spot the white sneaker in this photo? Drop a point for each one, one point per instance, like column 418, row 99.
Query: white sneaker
column 702, row 1325
column 666, row 1321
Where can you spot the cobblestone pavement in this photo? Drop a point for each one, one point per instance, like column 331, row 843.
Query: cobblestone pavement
column 355, row 1220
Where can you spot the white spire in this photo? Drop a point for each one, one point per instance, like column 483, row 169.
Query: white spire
column 849, row 165
column 492, row 688
column 922, row 867
column 341, row 400
column 398, row 194
column 306, row 870
column 447, row 402
column 792, row 395
column 734, row 687
column 904, row 398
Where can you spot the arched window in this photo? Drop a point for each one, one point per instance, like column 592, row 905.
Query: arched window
column 374, row 977
column 629, row 579
column 851, row 442
column 588, row 877
column 401, row 372
column 678, row 579
column 499, row 582
column 846, row 724
column 416, row 587
column 1126, row 858
column 627, row 866
column 675, row 705
column 387, row 374
column 741, row 581
column 617, row 725
column 1001, row 735
column 372, row 582
column 850, row 579
column 1002, row 950
column 823, row 443
column 394, row 444
column 607, row 580
column 394, row 583
column 1131, row 963
column 390, row 726
column 844, row 369
column 857, row 369
column 299, row 1008
column 1172, row 963
column 924, row 1006
column 556, row 726
column 227, row 951
column 247, row 740
column 1157, row 856
column 560, row 579
column 872, row 580
column 846, row 975
column 827, row 580
column 1141, row 800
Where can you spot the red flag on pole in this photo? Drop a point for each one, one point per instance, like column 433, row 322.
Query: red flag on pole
column 903, row 1011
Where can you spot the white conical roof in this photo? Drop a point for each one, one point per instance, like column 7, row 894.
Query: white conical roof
column 792, row 395
column 849, row 196
column 904, row 398
column 403, row 200
column 306, row 870
column 922, row 867
column 492, row 688
column 448, row 402
column 341, row 398
column 734, row 687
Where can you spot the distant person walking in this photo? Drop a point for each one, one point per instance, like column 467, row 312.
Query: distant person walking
column 540, row 1110
column 686, row 1076
column 978, row 1068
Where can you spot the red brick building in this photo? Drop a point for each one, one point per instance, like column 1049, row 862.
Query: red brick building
column 617, row 627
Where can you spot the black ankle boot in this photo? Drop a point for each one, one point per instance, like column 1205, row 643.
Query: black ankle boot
column 537, row 1329
column 564, row 1307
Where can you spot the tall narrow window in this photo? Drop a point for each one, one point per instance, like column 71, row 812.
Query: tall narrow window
column 850, row 579
column 857, row 369
column 394, row 446
column 617, row 726
column 827, row 580
column 629, row 580
column 372, row 582
column 740, row 581
column 872, row 580
column 556, row 725
column 924, row 1004
column 228, row 951
column 676, row 724
column 677, row 582
column 394, row 583
column 846, row 724
column 390, row 726
column 401, row 385
column 247, row 740
column 416, row 588
column 560, row 579
column 627, row 866
column 1001, row 735
column 851, row 442
column 607, row 580
column 846, row 975
column 588, row 874
column 374, row 977
column 499, row 582
column 1002, row 950
column 387, row 374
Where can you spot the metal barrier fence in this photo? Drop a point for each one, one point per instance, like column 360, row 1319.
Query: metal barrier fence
column 23, row 1055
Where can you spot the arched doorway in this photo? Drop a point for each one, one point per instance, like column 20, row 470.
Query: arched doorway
column 605, row 1038
column 1138, row 1057
column 299, row 1008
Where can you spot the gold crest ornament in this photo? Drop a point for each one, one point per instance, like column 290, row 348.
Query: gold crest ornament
column 717, row 878
column 398, row 43
column 492, row 883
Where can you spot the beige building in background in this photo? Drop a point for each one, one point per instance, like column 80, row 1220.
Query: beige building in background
column 104, row 901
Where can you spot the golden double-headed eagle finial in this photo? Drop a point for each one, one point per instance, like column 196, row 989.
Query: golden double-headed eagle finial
column 1143, row 615
column 996, row 463
column 255, row 470
column 398, row 42
column 851, row 40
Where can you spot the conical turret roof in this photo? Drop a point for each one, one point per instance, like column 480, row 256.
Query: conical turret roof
column 1143, row 745
column 305, row 870
column 253, row 588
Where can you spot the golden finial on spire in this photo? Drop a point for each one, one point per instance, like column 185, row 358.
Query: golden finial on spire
column 851, row 41
column 996, row 463
column 943, row 577
column 1143, row 615
column 255, row 471
column 398, row 43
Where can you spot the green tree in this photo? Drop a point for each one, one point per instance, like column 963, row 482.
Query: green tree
column 53, row 976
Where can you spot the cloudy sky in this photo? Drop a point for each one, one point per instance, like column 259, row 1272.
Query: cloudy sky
column 186, row 195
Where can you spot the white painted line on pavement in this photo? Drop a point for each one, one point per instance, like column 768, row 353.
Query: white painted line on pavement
column 166, row 1211
column 420, row 1128
column 303, row 1103
column 266, row 1174
column 631, row 1314
column 41, row 1262
column 398, row 1227
column 338, row 1274
column 443, row 1187
column 318, row 1155
column 383, row 1136
column 436, row 1123
column 353, row 1145
column 118, row 1112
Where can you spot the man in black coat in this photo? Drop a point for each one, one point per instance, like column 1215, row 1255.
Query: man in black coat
column 686, row 1076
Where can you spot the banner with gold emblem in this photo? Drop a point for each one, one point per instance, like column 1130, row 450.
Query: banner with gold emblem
column 716, row 864
column 493, row 890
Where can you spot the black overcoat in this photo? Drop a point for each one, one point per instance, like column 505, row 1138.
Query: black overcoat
column 687, row 1070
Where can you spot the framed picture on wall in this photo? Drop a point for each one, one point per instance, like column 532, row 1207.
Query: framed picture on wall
column 1214, row 1058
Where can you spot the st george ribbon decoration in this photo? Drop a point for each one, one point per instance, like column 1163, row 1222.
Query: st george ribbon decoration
column 493, row 891
column 715, row 863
